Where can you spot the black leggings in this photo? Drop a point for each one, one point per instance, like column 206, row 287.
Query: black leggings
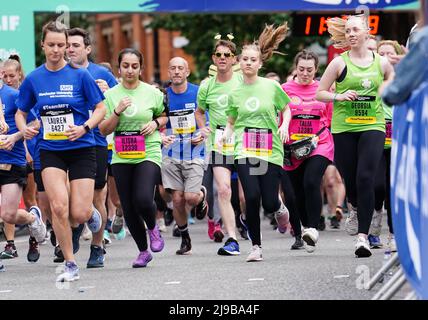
column 357, row 156
column 265, row 186
column 383, row 186
column 207, row 182
column 136, row 185
column 306, row 180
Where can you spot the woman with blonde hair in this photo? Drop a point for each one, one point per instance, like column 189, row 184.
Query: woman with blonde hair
column 358, row 123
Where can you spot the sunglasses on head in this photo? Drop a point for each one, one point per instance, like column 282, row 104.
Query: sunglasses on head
column 224, row 54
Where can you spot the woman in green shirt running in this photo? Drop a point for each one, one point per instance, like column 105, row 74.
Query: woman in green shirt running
column 252, row 116
column 358, row 123
column 135, row 111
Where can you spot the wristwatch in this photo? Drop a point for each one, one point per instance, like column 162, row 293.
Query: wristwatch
column 87, row 128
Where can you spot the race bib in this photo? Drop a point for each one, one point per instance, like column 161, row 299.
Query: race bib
column 229, row 145
column 56, row 120
column 257, row 142
column 110, row 140
column 361, row 111
column 130, row 145
column 304, row 124
column 388, row 133
column 182, row 121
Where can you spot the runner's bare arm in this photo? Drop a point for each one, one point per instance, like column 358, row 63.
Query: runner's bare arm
column 28, row 132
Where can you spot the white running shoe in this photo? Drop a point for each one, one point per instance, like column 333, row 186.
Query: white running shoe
column 351, row 223
column 37, row 228
column 376, row 224
column 391, row 244
column 310, row 236
column 161, row 224
column 255, row 254
column 362, row 247
column 71, row 273
column 86, row 234
column 282, row 217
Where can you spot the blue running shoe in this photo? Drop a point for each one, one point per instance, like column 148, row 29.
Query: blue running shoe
column 121, row 235
column 75, row 236
column 190, row 220
column 94, row 223
column 230, row 248
column 96, row 258
column 374, row 242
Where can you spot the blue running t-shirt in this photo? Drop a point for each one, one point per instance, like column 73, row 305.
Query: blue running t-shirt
column 60, row 98
column 16, row 156
column 99, row 72
column 182, row 124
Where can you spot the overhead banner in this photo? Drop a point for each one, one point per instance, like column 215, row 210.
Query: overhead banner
column 409, row 188
column 17, row 34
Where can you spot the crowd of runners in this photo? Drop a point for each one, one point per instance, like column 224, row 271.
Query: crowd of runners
column 92, row 154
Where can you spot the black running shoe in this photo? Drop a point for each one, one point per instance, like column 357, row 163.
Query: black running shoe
column 201, row 210
column 185, row 247
column 334, row 223
column 33, row 254
column 59, row 257
column 298, row 244
column 321, row 225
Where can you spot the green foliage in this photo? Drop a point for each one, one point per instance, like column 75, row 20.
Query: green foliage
column 200, row 30
column 40, row 19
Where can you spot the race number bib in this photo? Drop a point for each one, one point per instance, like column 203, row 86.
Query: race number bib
column 304, row 123
column 361, row 111
column 257, row 142
column 130, row 145
column 110, row 141
column 388, row 133
column 56, row 120
column 182, row 121
column 229, row 145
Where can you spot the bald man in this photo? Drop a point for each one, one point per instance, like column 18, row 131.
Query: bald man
column 183, row 159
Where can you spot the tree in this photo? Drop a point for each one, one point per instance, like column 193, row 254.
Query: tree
column 200, row 30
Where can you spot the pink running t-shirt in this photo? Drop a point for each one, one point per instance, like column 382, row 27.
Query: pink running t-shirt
column 308, row 116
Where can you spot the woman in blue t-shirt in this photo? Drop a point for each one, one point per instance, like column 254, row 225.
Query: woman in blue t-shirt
column 62, row 96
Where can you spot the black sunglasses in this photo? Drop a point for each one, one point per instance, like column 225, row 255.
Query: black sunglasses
column 224, row 54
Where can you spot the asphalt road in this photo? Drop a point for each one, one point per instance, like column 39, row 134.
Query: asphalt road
column 331, row 272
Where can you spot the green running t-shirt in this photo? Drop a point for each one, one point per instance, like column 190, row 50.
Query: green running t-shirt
column 365, row 113
column 214, row 97
column 128, row 145
column 255, row 109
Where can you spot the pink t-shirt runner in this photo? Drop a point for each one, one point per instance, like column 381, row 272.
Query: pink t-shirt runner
column 308, row 116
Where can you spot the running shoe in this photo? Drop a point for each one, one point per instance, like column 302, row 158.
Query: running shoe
column 33, row 254
column 121, row 235
column 211, row 228
column 71, row 273
column 161, row 223
column 230, row 248
column 334, row 222
column 298, row 244
column 95, row 221
column 144, row 257
column 37, row 228
column 391, row 244
column 351, row 222
column 201, row 210
column 185, row 247
column 255, row 254
column 282, row 217
column 96, row 257
column 310, row 237
column 156, row 241
column 321, row 224
column 9, row 252
column 244, row 234
column 106, row 236
column 59, row 257
column 118, row 223
column 362, row 248
column 218, row 233
column 374, row 242
column 75, row 237
column 86, row 233
column 376, row 224
column 190, row 220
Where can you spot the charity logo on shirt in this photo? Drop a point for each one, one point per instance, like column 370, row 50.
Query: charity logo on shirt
column 252, row 104
column 223, row 100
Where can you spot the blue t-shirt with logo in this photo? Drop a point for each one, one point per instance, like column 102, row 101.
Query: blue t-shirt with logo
column 183, row 125
column 16, row 156
column 60, row 99
column 99, row 72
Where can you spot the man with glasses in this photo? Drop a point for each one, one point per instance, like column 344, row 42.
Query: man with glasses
column 213, row 97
